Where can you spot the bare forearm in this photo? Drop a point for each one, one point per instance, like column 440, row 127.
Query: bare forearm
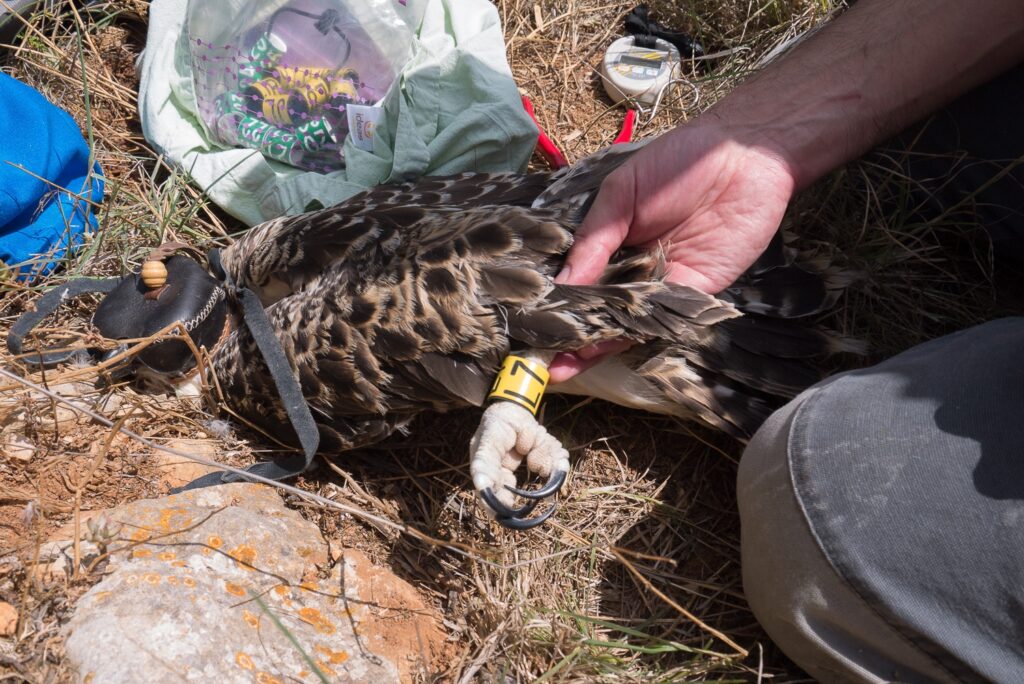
column 877, row 69
column 712, row 193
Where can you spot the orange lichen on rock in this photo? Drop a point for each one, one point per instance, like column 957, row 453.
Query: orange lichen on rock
column 188, row 582
column 320, row 622
column 152, row 578
column 215, row 541
column 333, row 657
column 167, row 556
column 267, row 678
column 243, row 661
column 233, row 588
column 140, row 534
column 283, row 591
column 251, row 619
column 141, row 553
column 325, row 668
column 244, row 555
column 174, row 519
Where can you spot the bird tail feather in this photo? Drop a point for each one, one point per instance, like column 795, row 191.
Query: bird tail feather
column 574, row 316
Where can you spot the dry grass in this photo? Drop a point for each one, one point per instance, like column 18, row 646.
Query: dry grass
column 637, row 578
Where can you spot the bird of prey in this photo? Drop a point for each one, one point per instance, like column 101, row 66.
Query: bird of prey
column 408, row 298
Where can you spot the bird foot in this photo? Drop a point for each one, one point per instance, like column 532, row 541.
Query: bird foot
column 508, row 435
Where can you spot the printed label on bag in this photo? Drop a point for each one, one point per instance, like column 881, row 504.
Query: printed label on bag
column 362, row 119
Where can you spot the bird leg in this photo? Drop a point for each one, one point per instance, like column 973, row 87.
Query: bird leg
column 508, row 435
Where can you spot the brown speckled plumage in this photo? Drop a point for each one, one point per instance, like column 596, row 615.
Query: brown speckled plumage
column 406, row 298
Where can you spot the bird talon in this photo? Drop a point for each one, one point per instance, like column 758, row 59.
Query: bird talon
column 501, row 510
column 552, row 486
column 509, row 435
column 527, row 523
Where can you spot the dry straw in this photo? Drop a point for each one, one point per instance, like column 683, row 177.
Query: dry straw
column 637, row 578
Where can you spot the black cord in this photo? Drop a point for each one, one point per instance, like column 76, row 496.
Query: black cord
column 645, row 30
column 45, row 306
column 324, row 22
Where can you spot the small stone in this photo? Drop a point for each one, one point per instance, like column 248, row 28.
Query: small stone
column 13, row 419
column 49, row 417
column 8, row 619
column 9, row 564
column 113, row 405
column 178, row 471
column 66, row 533
column 18, row 448
column 57, row 561
column 54, row 566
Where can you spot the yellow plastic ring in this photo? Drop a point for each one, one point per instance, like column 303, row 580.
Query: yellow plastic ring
column 520, row 381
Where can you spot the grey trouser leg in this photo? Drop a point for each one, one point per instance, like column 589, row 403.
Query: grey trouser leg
column 883, row 516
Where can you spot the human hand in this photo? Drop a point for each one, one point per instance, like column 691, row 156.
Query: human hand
column 712, row 201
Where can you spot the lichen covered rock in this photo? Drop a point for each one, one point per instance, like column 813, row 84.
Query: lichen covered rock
column 220, row 584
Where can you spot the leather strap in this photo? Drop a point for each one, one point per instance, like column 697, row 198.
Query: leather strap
column 288, row 389
column 45, row 306
column 256, row 320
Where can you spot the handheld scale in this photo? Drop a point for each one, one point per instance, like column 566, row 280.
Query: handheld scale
column 635, row 72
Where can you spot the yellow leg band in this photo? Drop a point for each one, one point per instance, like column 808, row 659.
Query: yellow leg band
column 520, row 381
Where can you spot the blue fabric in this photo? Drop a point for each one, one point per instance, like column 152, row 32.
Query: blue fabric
column 39, row 141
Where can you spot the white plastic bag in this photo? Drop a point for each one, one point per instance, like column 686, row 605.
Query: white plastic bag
column 279, row 76
column 453, row 107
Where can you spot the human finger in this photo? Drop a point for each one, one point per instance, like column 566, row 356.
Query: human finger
column 601, row 233
column 682, row 274
column 567, row 365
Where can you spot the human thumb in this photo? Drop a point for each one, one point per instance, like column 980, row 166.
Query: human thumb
column 599, row 236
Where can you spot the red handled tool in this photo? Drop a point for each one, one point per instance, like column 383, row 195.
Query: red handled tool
column 626, row 134
column 547, row 147
column 550, row 151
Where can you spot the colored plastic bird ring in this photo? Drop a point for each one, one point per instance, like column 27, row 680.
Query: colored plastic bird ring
column 520, row 381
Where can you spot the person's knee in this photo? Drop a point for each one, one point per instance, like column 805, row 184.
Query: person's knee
column 805, row 603
column 779, row 556
column 764, row 466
